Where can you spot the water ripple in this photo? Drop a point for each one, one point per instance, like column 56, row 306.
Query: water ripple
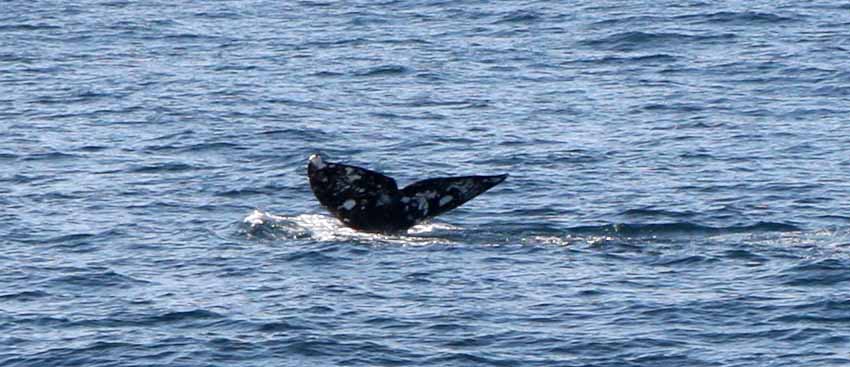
column 677, row 196
column 637, row 40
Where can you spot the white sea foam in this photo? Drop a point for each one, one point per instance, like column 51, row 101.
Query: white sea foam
column 326, row 228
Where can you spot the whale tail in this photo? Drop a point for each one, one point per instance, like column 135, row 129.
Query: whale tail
column 369, row 201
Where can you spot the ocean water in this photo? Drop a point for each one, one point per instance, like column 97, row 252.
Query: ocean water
column 679, row 189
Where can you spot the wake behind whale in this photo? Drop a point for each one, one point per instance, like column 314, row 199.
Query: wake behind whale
column 368, row 201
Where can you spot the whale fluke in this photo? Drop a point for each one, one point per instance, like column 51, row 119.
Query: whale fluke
column 371, row 202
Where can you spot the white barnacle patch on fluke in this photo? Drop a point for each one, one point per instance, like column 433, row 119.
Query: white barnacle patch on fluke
column 348, row 204
column 446, row 199
column 422, row 199
column 465, row 186
column 351, row 174
column 383, row 200
column 422, row 204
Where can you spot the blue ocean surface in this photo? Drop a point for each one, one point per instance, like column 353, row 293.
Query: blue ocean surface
column 678, row 192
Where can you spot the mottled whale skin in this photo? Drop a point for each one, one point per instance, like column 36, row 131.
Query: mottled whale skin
column 371, row 202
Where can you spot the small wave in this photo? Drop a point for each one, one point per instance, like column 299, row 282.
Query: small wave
column 631, row 60
column 634, row 40
column 824, row 272
column 284, row 326
column 455, row 104
column 163, row 168
column 75, row 237
column 24, row 179
column 836, row 218
column 827, row 304
column 636, row 230
column 327, row 74
column 209, row 146
column 24, row 296
column 107, row 279
column 156, row 317
column 675, row 107
column 404, row 41
column 746, row 255
column 180, row 135
column 218, row 15
column 646, row 212
column 308, row 104
column 193, row 148
column 322, row 44
column 93, row 148
column 190, row 37
column 737, row 18
column 811, row 319
column 628, row 21
column 183, row 316
column 302, row 134
column 87, row 94
column 242, row 192
column 409, row 117
column 383, row 70
column 27, row 27
column 318, row 4
column 50, row 156
column 367, row 19
column 521, row 16
column 471, row 358
column 683, row 260
column 833, row 90
column 318, row 257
